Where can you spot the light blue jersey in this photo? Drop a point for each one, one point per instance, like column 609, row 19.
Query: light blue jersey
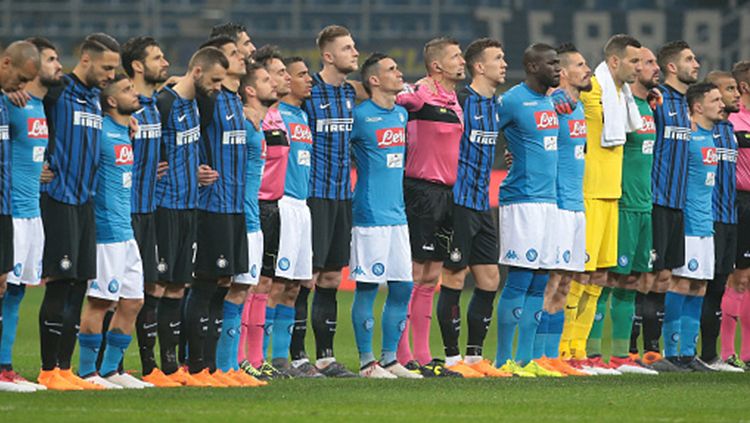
column 571, row 148
column 379, row 142
column 256, row 160
column 701, row 179
column 112, row 199
column 531, row 127
column 297, row 182
column 28, row 134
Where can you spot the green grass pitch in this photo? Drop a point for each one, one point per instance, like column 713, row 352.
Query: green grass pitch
column 682, row 398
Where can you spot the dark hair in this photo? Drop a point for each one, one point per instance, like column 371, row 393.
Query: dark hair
column 218, row 42
column 249, row 78
column 265, row 54
column 564, row 50
column 293, row 59
column 669, row 52
column 328, row 34
column 41, row 43
column 107, row 90
column 371, row 67
column 228, row 29
column 435, row 45
column 741, row 71
column 99, row 42
column 533, row 51
column 206, row 57
column 475, row 50
column 135, row 49
column 697, row 92
column 617, row 44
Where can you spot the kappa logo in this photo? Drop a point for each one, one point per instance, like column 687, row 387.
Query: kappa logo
column 577, row 128
column 123, row 154
column 390, row 137
column 358, row 271
column 538, row 316
column 546, row 119
column 511, row 255
column 378, row 269
column 37, row 128
column 94, row 285
column 284, row 264
column 300, row 133
column 566, row 256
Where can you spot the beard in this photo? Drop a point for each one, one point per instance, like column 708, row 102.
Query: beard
column 686, row 78
column 153, row 78
column 268, row 102
column 127, row 110
column 50, row 82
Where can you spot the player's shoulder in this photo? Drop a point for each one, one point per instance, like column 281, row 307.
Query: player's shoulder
column 592, row 97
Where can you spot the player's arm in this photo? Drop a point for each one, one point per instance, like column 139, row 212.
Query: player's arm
column 410, row 98
column 359, row 88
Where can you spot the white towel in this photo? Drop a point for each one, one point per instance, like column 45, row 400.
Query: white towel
column 620, row 111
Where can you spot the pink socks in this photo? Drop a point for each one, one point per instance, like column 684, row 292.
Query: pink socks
column 420, row 317
column 251, row 334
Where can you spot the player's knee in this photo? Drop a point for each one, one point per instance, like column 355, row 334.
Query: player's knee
column 154, row 289
column 399, row 293
column 329, row 279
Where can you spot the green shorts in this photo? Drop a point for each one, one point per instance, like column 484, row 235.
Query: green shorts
column 634, row 243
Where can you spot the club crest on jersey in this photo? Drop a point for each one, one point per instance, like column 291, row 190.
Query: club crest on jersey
column 693, row 265
column 378, row 269
column 65, row 263
column 546, row 119
column 284, row 264
column 113, row 286
column 390, row 137
column 648, row 126
column 531, row 254
column 577, row 128
column 162, row 266
column 456, row 255
column 123, row 154
column 254, row 271
column 221, row 262
column 300, row 133
column 709, row 156
column 37, row 128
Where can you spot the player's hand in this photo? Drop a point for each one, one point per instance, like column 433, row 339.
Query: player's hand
column 47, row 175
column 563, row 102
column 170, row 81
column 508, row 158
column 206, row 175
column 133, row 126
column 654, row 98
column 428, row 83
column 19, row 98
column 161, row 169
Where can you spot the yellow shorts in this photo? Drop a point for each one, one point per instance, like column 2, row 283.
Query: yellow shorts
column 601, row 233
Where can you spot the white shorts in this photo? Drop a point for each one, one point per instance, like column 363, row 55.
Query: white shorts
column 699, row 258
column 570, row 234
column 528, row 235
column 119, row 272
column 28, row 247
column 254, row 259
column 380, row 254
column 295, row 240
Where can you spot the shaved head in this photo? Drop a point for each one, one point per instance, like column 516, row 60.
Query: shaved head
column 19, row 64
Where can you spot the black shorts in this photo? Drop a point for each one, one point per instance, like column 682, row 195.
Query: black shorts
column 725, row 247
column 669, row 237
column 176, row 232
column 743, row 230
column 144, row 230
column 331, row 232
column 221, row 244
column 270, row 224
column 428, row 212
column 473, row 238
column 70, row 231
column 6, row 243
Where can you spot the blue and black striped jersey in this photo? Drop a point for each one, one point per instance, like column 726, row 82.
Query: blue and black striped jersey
column 329, row 110
column 180, row 134
column 223, row 148
column 74, row 121
column 477, row 150
column 669, row 173
column 725, row 190
column 146, row 156
column 5, row 160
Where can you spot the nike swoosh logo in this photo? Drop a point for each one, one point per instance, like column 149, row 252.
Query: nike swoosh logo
column 181, row 118
column 229, row 117
column 79, row 101
column 455, row 321
column 46, row 323
column 152, row 325
column 478, row 117
column 672, row 114
column 330, row 322
column 204, row 319
column 173, row 324
column 717, row 136
column 486, row 319
column 325, row 106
